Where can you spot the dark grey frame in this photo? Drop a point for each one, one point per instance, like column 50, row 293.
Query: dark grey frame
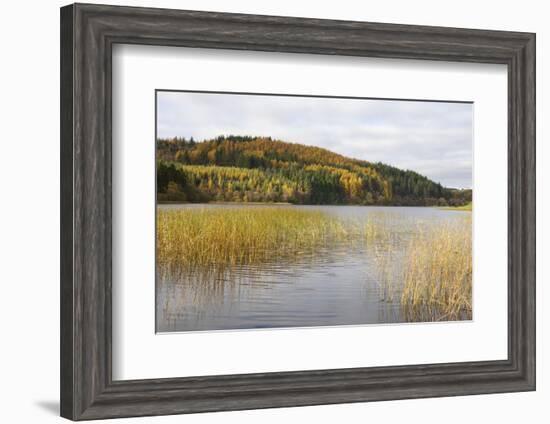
column 88, row 33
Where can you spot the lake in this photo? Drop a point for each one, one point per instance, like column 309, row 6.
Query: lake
column 344, row 283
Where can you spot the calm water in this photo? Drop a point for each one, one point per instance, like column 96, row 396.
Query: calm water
column 337, row 286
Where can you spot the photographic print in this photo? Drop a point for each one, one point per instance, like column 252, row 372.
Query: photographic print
column 277, row 211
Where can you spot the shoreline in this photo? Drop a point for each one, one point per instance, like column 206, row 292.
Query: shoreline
column 463, row 208
column 450, row 208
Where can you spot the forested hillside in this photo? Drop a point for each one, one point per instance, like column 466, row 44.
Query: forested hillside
column 259, row 169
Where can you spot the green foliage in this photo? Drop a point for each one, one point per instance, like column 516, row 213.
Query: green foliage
column 259, row 169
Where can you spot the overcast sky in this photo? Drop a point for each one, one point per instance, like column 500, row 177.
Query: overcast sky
column 432, row 138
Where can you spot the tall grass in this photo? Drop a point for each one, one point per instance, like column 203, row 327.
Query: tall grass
column 426, row 267
column 438, row 273
column 225, row 237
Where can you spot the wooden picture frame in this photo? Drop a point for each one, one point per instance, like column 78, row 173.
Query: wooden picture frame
column 88, row 33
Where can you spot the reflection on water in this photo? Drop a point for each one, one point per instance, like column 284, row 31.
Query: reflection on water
column 345, row 284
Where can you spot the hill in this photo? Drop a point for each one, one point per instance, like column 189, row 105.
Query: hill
column 260, row 169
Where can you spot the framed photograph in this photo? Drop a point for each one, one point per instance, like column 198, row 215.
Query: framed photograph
column 263, row 211
column 259, row 232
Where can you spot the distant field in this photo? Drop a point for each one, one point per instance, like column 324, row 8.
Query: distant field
column 467, row 207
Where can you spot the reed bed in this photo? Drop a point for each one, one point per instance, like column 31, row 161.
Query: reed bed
column 424, row 266
column 438, row 273
column 218, row 238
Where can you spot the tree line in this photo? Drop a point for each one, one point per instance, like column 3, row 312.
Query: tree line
column 260, row 169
